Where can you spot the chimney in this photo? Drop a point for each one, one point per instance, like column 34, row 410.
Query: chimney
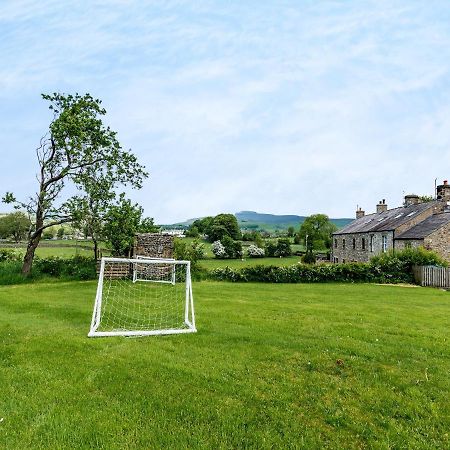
column 443, row 192
column 411, row 199
column 359, row 213
column 381, row 207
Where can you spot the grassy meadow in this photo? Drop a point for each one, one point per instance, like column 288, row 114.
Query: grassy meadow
column 272, row 366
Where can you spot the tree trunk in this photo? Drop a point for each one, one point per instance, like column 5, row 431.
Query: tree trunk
column 29, row 255
column 95, row 248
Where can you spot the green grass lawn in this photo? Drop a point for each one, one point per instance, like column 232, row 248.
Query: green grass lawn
column 237, row 263
column 272, row 366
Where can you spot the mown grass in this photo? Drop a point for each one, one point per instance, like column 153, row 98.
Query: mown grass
column 239, row 263
column 272, row 366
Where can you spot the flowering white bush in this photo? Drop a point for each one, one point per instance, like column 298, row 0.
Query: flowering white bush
column 255, row 252
column 218, row 249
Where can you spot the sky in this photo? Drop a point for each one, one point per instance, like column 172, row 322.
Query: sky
column 283, row 107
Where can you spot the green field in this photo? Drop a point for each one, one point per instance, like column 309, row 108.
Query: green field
column 272, row 366
column 214, row 263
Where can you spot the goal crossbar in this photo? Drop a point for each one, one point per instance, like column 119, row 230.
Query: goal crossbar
column 143, row 297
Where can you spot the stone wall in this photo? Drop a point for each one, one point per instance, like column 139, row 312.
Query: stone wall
column 356, row 253
column 155, row 245
column 401, row 244
column 439, row 242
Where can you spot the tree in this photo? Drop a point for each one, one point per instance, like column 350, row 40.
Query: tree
column 203, row 225
column 122, row 222
column 60, row 233
column 290, row 231
column 76, row 146
column 224, row 225
column 15, row 225
column 147, row 225
column 283, row 247
column 316, row 231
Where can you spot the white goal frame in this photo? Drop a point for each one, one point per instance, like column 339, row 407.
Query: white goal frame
column 189, row 315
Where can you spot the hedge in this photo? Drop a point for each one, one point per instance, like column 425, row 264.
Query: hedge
column 387, row 268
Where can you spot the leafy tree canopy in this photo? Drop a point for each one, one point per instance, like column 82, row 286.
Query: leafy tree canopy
column 15, row 225
column 316, row 231
column 78, row 150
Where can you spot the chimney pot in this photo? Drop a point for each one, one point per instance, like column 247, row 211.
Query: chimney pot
column 381, row 207
column 445, row 182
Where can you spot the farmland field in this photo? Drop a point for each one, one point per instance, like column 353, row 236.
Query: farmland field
column 272, row 366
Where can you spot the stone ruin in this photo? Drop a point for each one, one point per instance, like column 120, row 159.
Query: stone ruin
column 154, row 245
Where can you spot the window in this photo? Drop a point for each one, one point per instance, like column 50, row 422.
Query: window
column 363, row 243
column 354, row 243
column 410, row 214
column 408, row 245
column 371, row 242
column 384, row 243
column 343, row 244
column 335, row 243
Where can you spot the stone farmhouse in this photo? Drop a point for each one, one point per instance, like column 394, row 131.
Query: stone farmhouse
column 415, row 224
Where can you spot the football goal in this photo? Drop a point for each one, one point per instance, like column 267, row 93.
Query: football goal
column 143, row 296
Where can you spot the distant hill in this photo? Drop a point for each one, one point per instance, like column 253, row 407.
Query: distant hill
column 251, row 220
column 254, row 220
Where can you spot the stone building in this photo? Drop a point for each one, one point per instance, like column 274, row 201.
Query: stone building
column 415, row 224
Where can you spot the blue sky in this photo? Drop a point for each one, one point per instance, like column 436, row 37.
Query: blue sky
column 288, row 107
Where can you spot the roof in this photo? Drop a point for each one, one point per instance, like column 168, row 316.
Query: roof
column 385, row 221
column 425, row 228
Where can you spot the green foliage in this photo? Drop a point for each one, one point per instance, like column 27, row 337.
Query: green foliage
column 316, row 231
column 16, row 225
column 7, row 254
column 224, row 225
column 203, row 225
column 147, row 225
column 290, row 231
column 426, row 198
column 282, row 247
column 233, row 248
column 193, row 252
column 193, row 232
column 397, row 262
column 387, row 268
column 48, row 234
column 75, row 268
column 271, row 248
column 80, row 150
column 309, row 258
column 122, row 222
column 60, row 233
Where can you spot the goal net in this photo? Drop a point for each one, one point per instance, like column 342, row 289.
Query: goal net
column 143, row 296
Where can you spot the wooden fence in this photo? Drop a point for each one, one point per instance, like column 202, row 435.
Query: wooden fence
column 432, row 276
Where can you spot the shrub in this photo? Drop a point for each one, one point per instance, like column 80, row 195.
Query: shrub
column 309, row 258
column 255, row 252
column 388, row 268
column 283, row 247
column 219, row 250
column 77, row 267
column 10, row 254
column 227, row 248
column 271, row 248
column 47, row 235
column 190, row 252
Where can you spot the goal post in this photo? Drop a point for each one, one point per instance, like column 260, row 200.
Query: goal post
column 143, row 297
